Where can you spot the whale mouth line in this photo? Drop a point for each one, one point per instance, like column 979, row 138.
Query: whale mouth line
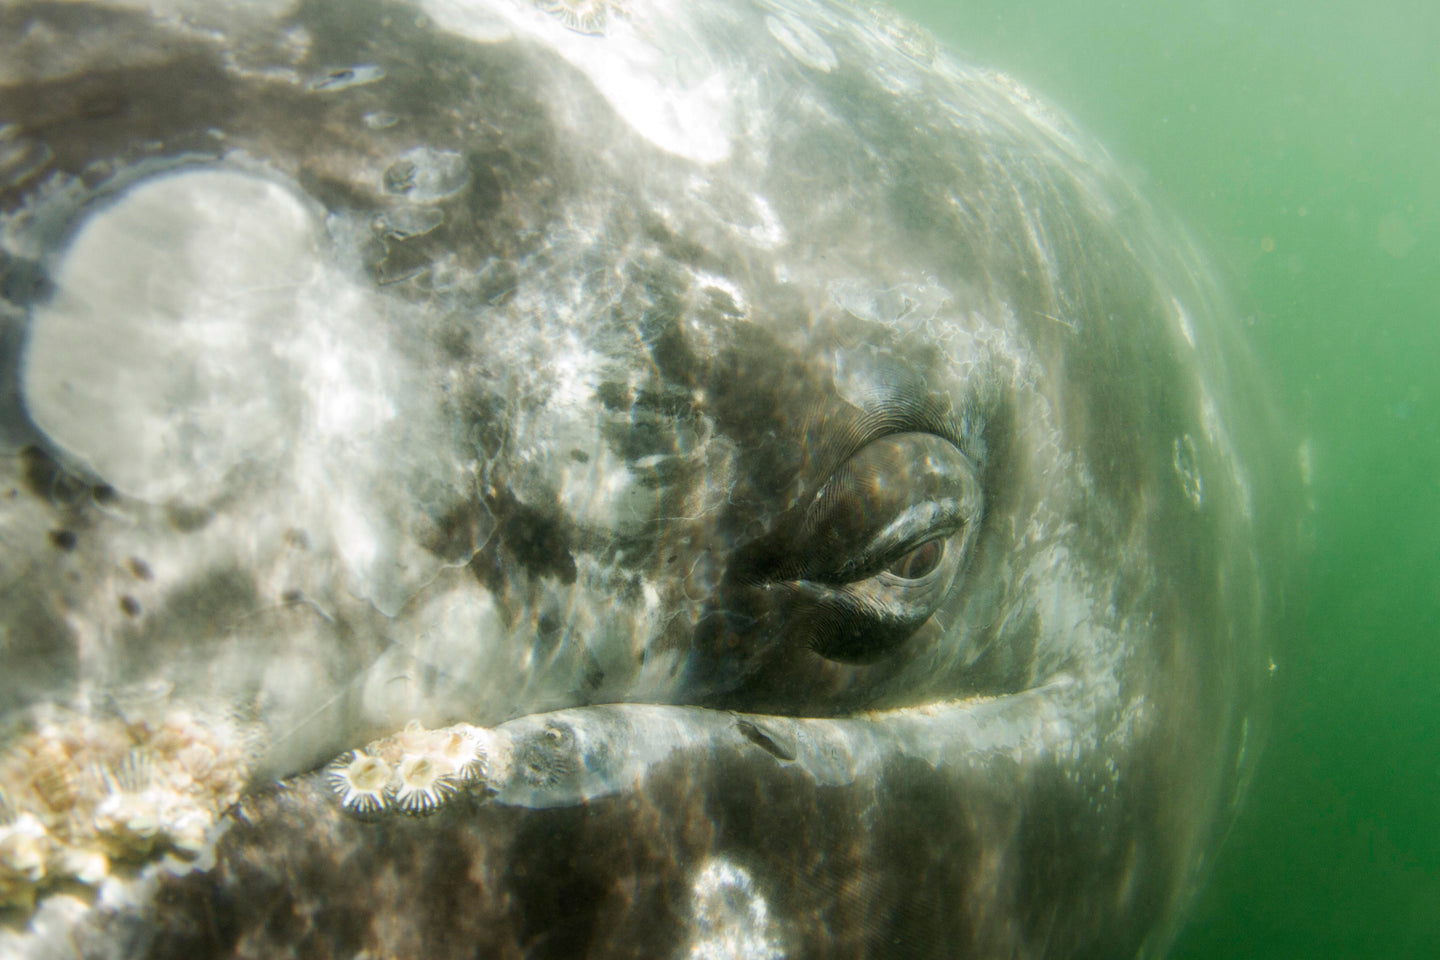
column 577, row 755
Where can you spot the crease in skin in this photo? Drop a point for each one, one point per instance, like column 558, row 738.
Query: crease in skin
column 578, row 755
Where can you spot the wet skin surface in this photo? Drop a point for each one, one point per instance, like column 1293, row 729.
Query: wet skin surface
column 803, row 502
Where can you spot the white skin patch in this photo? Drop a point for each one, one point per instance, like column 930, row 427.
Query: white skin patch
column 683, row 107
column 154, row 362
column 203, row 344
column 802, row 43
column 469, row 20
column 730, row 918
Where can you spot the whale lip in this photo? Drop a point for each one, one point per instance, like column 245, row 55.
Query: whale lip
column 579, row 755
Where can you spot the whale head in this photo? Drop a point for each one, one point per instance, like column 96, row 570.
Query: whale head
column 605, row 478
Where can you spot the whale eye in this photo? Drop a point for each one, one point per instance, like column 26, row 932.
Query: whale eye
column 881, row 545
column 850, row 574
column 920, row 561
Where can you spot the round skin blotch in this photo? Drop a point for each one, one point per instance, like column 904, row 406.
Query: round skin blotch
column 546, row 759
column 154, row 361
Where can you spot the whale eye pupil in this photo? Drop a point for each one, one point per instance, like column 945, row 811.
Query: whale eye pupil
column 920, row 561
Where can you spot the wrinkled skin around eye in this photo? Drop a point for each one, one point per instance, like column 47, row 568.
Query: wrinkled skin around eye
column 859, row 567
column 886, row 500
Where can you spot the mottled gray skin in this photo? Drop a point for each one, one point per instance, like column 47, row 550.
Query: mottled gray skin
column 634, row 293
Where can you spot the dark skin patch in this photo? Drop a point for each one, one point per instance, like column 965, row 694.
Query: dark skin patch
column 633, row 551
column 549, row 631
column 640, row 437
column 538, row 541
column 403, row 259
column 484, row 419
column 486, row 192
column 764, row 741
column 532, row 537
column 672, row 403
column 110, row 111
column 454, row 535
column 23, row 281
column 515, row 168
column 678, row 248
column 454, row 341
column 613, row 396
column 43, row 478
column 185, row 518
column 497, row 282
column 39, row 659
column 1096, row 864
column 559, row 905
column 192, row 617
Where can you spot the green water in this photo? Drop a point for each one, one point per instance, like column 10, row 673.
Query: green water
column 1302, row 140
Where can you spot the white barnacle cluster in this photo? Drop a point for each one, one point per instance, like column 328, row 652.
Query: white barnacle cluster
column 82, row 795
column 582, row 16
column 418, row 770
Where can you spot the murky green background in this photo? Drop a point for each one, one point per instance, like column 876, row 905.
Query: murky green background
column 1302, row 140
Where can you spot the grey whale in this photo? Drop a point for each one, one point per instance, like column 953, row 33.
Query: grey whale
column 605, row 478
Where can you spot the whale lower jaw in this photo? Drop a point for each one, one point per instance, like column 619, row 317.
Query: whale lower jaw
column 718, row 833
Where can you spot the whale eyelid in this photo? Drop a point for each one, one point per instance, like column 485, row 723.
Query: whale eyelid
column 907, row 412
column 907, row 492
column 918, row 524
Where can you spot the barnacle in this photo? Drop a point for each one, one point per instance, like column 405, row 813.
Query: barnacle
column 460, row 750
column 24, row 844
column 582, row 16
column 53, row 777
column 87, row 864
column 361, row 781
column 135, row 772
column 423, row 786
column 418, row 770
column 80, row 790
